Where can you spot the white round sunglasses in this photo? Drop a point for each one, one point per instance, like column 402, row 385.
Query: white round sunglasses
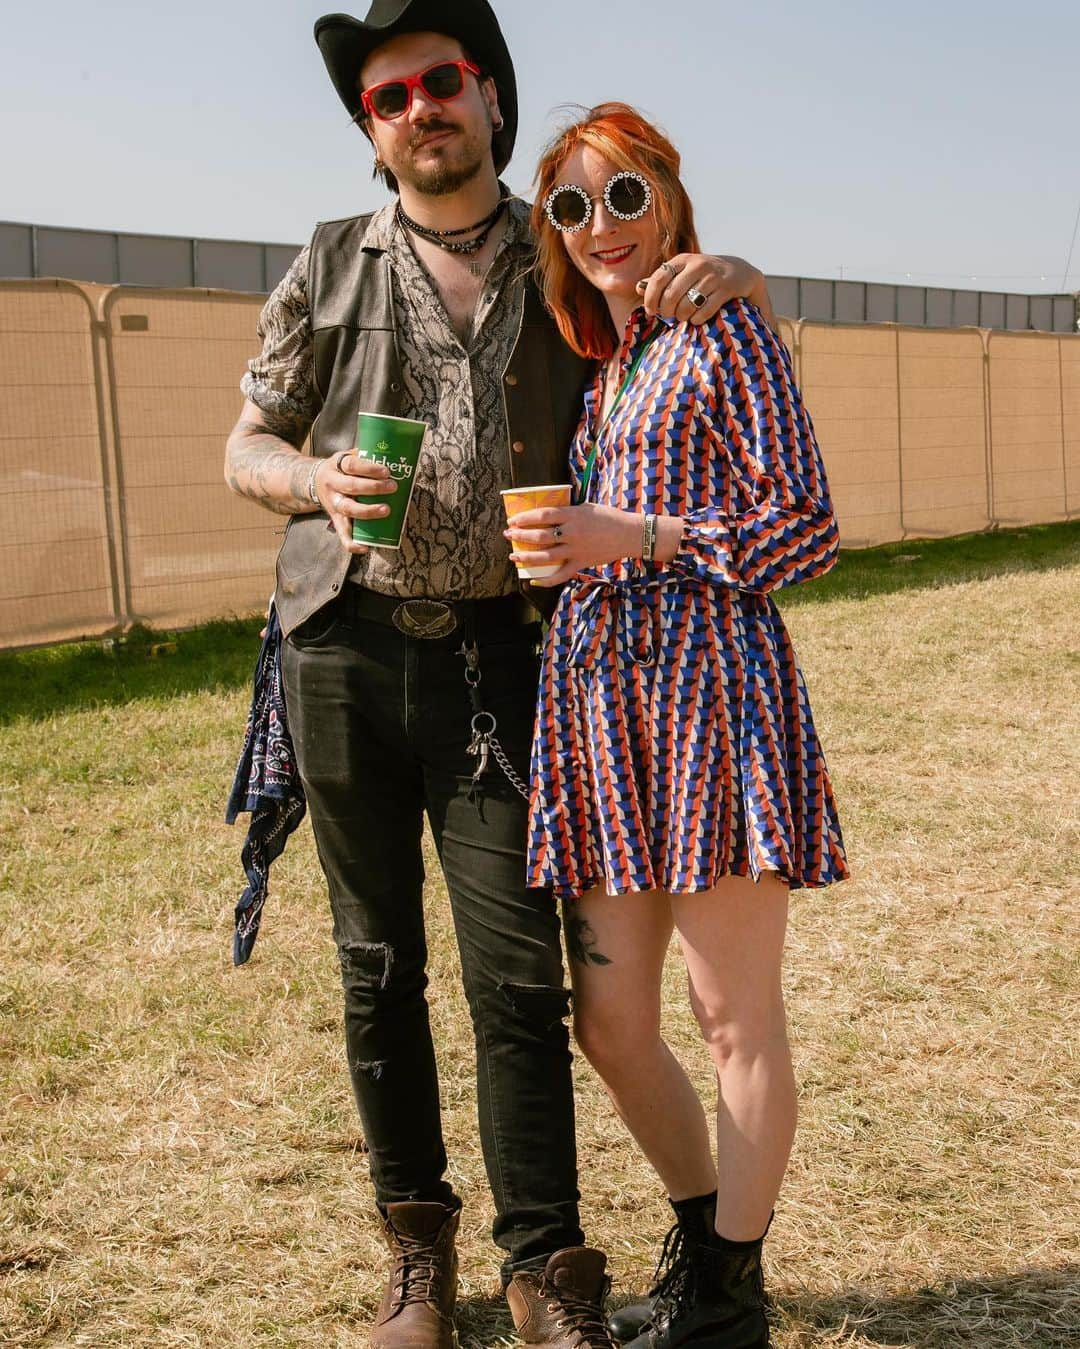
column 627, row 196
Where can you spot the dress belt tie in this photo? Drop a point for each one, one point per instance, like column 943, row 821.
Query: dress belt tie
column 598, row 604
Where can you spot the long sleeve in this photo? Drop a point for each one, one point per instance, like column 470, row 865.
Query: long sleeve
column 771, row 523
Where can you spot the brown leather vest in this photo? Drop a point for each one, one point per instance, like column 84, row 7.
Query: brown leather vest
column 357, row 367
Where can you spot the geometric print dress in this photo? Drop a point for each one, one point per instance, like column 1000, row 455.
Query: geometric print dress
column 674, row 739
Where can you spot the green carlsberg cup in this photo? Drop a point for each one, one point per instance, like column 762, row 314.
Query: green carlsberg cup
column 395, row 442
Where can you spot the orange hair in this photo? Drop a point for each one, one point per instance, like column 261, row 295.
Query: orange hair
column 623, row 136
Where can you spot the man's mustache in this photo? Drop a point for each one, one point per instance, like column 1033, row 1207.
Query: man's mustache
column 429, row 129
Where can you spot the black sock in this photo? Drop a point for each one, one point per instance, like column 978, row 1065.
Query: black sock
column 697, row 1215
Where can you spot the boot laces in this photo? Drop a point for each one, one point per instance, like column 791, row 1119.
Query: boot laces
column 582, row 1317
column 682, row 1269
column 417, row 1273
column 674, row 1277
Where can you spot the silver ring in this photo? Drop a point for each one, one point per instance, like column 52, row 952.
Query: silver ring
column 695, row 297
column 557, row 532
column 341, row 459
column 670, row 268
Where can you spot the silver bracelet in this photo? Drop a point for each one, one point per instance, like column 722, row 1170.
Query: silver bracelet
column 311, row 489
column 648, row 538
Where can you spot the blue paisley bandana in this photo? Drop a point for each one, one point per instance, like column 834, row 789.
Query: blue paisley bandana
column 267, row 784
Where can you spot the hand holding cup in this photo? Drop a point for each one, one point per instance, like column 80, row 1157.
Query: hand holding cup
column 517, row 501
column 339, row 481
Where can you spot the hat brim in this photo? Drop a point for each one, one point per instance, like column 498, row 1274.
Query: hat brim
column 346, row 43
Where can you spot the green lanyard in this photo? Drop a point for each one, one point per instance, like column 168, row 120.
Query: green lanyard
column 590, row 463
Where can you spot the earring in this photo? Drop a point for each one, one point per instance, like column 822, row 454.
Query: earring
column 498, row 126
column 380, row 167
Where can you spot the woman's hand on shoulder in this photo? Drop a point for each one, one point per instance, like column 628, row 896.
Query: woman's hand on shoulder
column 573, row 537
column 671, row 291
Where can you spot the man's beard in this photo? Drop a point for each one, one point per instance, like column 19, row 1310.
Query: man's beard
column 441, row 181
column 445, row 177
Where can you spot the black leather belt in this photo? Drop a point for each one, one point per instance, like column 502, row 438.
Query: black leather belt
column 435, row 619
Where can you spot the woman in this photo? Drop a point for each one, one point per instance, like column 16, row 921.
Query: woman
column 677, row 778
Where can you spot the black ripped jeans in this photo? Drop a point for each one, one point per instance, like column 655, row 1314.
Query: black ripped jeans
column 381, row 722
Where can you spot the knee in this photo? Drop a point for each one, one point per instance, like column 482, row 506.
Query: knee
column 378, row 977
column 612, row 1037
column 740, row 1032
column 519, row 1013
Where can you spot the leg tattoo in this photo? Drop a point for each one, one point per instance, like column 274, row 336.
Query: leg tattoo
column 581, row 942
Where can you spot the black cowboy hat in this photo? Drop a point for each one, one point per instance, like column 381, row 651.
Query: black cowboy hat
column 346, row 43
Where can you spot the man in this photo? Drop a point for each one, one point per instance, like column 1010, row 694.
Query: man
column 410, row 675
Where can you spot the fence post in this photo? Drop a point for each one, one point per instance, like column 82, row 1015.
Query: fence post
column 796, row 349
column 988, row 431
column 899, row 431
column 123, row 552
column 1064, row 453
column 109, row 472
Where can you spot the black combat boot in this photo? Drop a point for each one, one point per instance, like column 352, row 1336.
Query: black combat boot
column 708, row 1290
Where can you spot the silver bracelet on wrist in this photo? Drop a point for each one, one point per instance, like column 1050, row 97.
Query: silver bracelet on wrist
column 312, row 491
column 648, row 538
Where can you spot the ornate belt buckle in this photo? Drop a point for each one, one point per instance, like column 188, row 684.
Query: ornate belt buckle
column 425, row 618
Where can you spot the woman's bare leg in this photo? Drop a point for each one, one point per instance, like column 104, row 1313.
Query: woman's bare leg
column 617, row 945
column 732, row 939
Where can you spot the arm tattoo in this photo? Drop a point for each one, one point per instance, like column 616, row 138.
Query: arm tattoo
column 581, row 942
column 285, row 425
column 265, row 465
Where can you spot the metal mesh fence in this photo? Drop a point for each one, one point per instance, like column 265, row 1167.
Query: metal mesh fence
column 192, row 549
column 118, row 400
column 58, row 566
column 901, row 413
column 1027, row 433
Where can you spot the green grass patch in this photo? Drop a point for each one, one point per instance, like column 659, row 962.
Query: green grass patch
column 181, row 1162
column 145, row 664
column 920, row 564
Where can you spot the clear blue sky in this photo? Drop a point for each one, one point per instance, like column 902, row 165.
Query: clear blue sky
column 940, row 139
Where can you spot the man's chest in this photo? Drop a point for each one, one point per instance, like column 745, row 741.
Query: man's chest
column 459, row 286
column 458, row 293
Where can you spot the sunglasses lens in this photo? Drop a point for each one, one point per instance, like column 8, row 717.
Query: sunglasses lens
column 390, row 100
column 627, row 196
column 568, row 209
column 442, row 82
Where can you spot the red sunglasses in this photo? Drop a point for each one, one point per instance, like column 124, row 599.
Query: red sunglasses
column 440, row 82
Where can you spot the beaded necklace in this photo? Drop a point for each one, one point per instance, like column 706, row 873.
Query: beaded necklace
column 448, row 239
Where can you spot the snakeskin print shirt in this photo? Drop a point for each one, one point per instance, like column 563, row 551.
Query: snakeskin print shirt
column 452, row 546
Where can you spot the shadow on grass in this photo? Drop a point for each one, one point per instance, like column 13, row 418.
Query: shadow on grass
column 483, row 1320
column 50, row 681
column 1037, row 1307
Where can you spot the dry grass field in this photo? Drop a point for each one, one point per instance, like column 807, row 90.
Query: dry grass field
column 180, row 1161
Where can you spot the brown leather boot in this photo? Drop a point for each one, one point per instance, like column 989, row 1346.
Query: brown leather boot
column 417, row 1308
column 563, row 1305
